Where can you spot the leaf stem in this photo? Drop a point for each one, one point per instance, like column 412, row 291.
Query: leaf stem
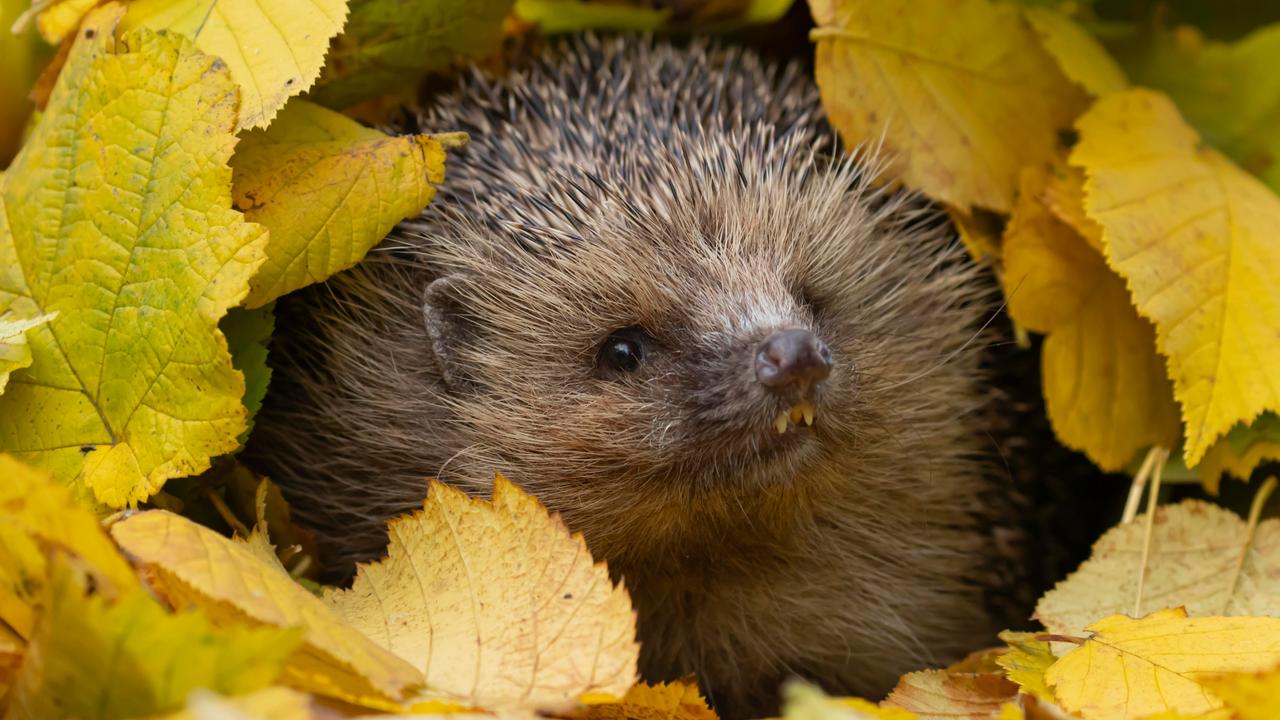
column 1255, row 512
column 1135, row 490
column 1158, row 456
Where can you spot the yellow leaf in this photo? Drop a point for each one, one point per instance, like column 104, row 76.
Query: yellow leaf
column 1081, row 57
column 940, row 694
column 387, row 44
column 1228, row 91
column 36, row 513
column 1104, row 383
column 803, row 701
column 1252, row 696
column 959, row 114
column 1194, row 236
column 273, row 48
column 116, row 215
column 1026, row 662
column 15, row 354
column 21, row 56
column 1063, row 194
column 273, row 703
column 328, row 189
column 191, row 565
column 562, row 16
column 1194, row 550
column 679, row 700
column 1011, row 711
column 93, row 659
column 1241, row 450
column 1132, row 668
column 12, row 648
column 979, row 231
column 60, row 18
column 496, row 603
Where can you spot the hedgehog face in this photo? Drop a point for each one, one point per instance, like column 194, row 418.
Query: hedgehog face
column 681, row 360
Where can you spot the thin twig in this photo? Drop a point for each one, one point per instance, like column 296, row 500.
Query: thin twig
column 1255, row 512
column 221, row 506
column 1135, row 490
column 1161, row 456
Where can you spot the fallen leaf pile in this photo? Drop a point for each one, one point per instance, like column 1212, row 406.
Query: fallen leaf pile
column 170, row 168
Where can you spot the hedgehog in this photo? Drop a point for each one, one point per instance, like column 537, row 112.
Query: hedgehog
column 654, row 294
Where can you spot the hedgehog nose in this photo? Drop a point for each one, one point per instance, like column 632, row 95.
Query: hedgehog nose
column 792, row 357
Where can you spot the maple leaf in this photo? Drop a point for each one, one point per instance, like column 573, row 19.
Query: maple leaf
column 1132, row 668
column 116, row 215
column 958, row 115
column 1194, row 550
column 496, row 603
column 386, row 44
column 328, row 189
column 274, row 49
column 90, row 658
column 1104, row 383
column 37, row 512
column 241, row 583
column 1179, row 216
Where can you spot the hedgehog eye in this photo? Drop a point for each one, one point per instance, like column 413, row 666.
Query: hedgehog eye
column 624, row 351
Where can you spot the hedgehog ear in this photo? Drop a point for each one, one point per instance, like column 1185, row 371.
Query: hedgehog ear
column 448, row 328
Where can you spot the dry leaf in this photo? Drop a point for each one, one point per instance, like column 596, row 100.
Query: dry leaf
column 1134, row 668
column 1194, row 551
column 496, row 603
column 940, row 694
column 191, row 565
column 1194, row 237
column 679, row 700
column 273, row 703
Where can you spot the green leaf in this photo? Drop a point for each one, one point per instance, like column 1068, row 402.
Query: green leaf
column 389, row 44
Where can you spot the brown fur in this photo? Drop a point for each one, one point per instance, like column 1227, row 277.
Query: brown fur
column 685, row 191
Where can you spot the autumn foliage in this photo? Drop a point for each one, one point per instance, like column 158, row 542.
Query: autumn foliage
column 1119, row 177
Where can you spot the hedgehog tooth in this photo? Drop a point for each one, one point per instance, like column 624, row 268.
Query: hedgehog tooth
column 781, row 423
column 797, row 412
column 808, row 410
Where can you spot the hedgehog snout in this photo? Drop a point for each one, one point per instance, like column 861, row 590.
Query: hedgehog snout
column 790, row 363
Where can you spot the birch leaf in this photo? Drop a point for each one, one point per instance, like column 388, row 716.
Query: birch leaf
column 1026, row 663
column 496, row 603
column 117, row 216
column 234, row 583
column 1081, row 57
column 328, row 189
column 274, row 49
column 1229, row 92
column 1178, row 216
column 1104, row 383
column 963, row 111
column 1133, row 668
column 1194, row 551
